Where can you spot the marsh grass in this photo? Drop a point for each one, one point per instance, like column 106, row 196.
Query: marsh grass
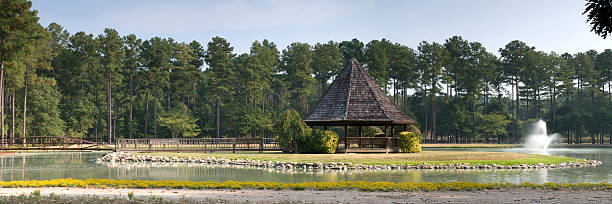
column 430, row 157
column 237, row 185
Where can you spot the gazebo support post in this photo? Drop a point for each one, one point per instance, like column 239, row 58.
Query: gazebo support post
column 360, row 136
column 325, row 127
column 387, row 137
column 392, row 136
column 345, row 139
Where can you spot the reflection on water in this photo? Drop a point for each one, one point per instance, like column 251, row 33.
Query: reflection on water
column 82, row 165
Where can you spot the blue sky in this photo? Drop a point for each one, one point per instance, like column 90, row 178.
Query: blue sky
column 552, row 25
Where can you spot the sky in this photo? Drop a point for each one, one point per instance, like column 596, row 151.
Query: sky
column 549, row 25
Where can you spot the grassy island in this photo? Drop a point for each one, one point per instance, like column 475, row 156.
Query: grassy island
column 429, row 157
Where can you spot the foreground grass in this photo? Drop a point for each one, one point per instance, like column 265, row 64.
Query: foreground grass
column 482, row 145
column 358, row 185
column 430, row 157
column 36, row 197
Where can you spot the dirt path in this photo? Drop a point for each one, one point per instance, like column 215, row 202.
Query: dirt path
column 268, row 196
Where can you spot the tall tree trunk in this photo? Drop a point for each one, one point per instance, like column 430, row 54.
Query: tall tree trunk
column 25, row 103
column 593, row 113
column 115, row 121
column 394, row 92
column 146, row 125
column 518, row 112
column 473, row 116
column 195, row 93
column 404, row 99
column 2, row 99
column 552, row 108
column 426, row 113
column 433, row 116
column 13, row 116
column 96, row 104
column 155, row 113
column 110, row 109
column 539, row 106
column 513, row 113
column 218, row 118
column 130, row 128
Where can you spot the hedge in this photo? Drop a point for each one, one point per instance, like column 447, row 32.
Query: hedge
column 320, row 142
column 409, row 142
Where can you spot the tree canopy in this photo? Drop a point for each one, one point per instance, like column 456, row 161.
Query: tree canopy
column 109, row 85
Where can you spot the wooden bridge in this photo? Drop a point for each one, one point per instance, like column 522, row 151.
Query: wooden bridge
column 198, row 144
column 51, row 143
column 354, row 144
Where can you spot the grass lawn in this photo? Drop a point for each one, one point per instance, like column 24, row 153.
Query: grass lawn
column 430, row 157
column 477, row 145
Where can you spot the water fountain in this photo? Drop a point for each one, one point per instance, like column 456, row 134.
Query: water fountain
column 539, row 139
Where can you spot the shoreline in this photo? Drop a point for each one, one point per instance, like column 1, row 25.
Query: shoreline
column 519, row 195
column 122, row 158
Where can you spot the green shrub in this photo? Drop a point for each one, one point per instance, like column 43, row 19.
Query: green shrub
column 289, row 127
column 328, row 141
column 413, row 129
column 409, row 142
column 319, row 142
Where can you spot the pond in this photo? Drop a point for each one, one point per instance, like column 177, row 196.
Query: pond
column 82, row 165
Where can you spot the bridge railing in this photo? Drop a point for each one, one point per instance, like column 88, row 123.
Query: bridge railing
column 50, row 143
column 198, row 144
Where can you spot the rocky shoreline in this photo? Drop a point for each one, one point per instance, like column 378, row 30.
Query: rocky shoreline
column 123, row 157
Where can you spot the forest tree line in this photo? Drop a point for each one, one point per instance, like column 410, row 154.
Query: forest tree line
column 107, row 86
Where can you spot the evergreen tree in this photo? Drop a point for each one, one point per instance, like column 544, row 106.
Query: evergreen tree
column 296, row 65
column 326, row 62
column 219, row 75
column 19, row 30
column 352, row 49
column 111, row 55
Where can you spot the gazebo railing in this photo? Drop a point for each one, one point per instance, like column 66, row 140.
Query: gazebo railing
column 374, row 143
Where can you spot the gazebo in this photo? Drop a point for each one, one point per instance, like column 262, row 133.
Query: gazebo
column 354, row 99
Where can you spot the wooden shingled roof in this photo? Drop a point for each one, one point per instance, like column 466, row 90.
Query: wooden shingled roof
column 355, row 99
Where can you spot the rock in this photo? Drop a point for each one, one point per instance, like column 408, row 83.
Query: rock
column 144, row 160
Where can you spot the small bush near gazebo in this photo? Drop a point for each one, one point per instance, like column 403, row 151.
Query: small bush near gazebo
column 413, row 129
column 319, row 142
column 291, row 131
column 409, row 142
column 289, row 127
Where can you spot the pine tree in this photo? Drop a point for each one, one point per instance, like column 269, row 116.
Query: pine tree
column 219, row 75
column 111, row 55
column 19, row 30
column 296, row 63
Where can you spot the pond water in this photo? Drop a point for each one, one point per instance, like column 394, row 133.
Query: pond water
column 82, row 165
